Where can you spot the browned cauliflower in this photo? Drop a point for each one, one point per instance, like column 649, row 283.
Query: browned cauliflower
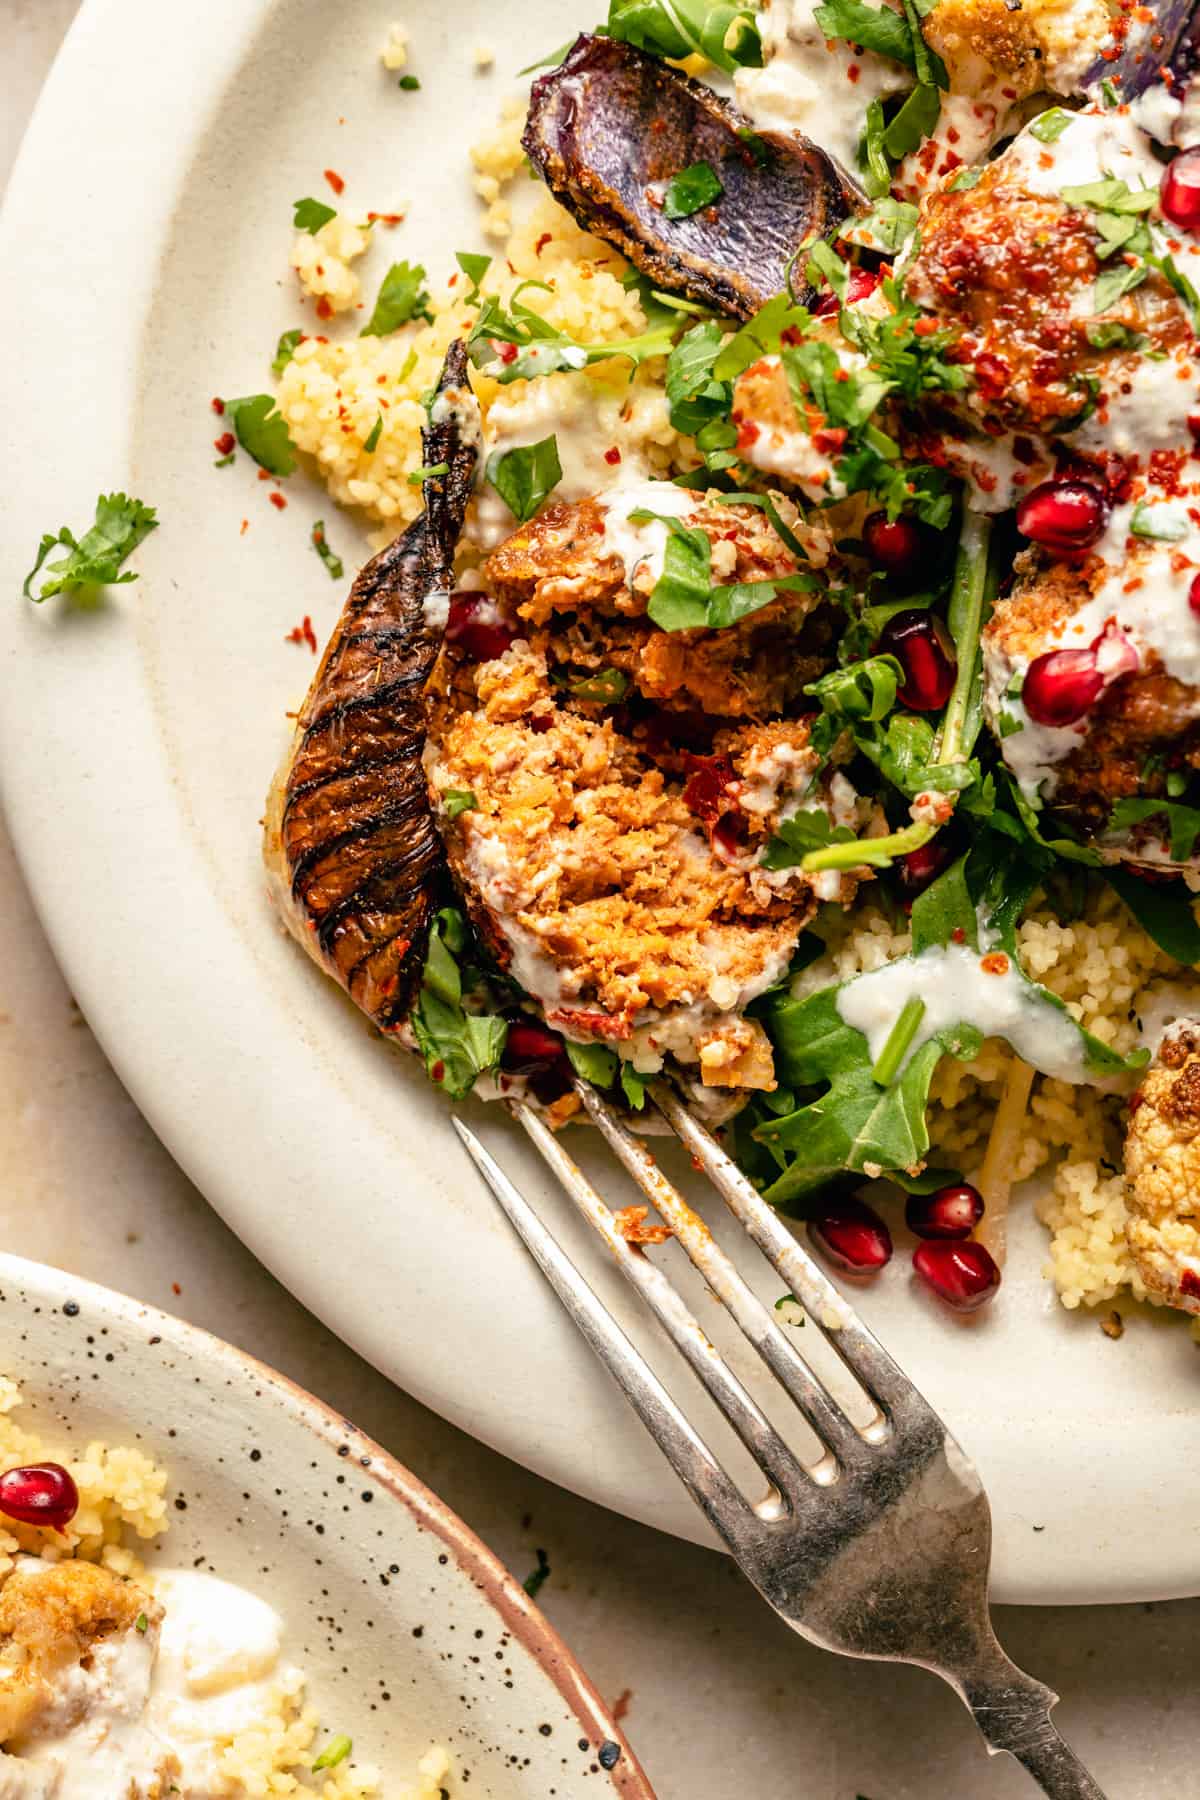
column 1162, row 1171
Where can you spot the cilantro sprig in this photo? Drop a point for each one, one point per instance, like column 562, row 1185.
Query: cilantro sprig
column 402, row 298
column 94, row 560
column 262, row 432
column 515, row 342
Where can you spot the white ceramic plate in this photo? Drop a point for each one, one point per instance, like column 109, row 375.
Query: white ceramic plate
column 409, row 1629
column 144, row 259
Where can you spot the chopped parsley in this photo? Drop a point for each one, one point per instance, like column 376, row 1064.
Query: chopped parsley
column 223, row 462
column 336, row 1751
column 285, row 349
column 141, row 1623
column 320, row 545
column 691, row 190
column 262, row 432
column 474, row 266
column 310, row 215
column 458, row 800
column 1049, row 126
column 409, row 83
column 514, row 343
column 95, row 559
column 525, row 478
column 402, row 298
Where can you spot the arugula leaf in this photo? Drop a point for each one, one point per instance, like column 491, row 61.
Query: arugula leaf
column 876, row 28
column 262, row 432
column 285, row 349
column 310, row 215
column 401, row 299
column 862, row 690
column 458, row 1046
column 913, row 123
column 1166, row 913
column 320, row 545
column 94, row 560
column 525, row 478
column 691, row 190
column 592, row 1062
column 458, row 800
column 1182, row 822
column 723, row 31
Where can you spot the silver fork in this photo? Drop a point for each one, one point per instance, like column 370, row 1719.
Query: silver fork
column 878, row 1550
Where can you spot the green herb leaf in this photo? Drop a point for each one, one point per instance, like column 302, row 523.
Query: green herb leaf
column 458, row 1046
column 458, row 800
column 429, row 472
column 1163, row 523
column 807, row 830
column 872, row 156
column 592, row 1062
column 1167, row 914
column 262, row 432
column 525, row 478
column 409, row 83
column 310, row 215
column 141, row 1623
column 320, row 545
column 876, row 28
column 1048, row 127
column 1113, row 283
column 545, row 350
column 913, row 123
column 402, row 298
column 335, row 1752
column 724, row 32
column 606, row 688
column 633, row 1086
column 372, row 438
column 1182, row 822
column 285, row 349
column 965, row 180
column 1107, row 334
column 474, row 266
column 95, row 559
column 691, row 190
column 888, row 226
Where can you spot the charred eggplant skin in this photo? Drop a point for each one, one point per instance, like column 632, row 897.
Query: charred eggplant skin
column 610, row 127
column 360, row 852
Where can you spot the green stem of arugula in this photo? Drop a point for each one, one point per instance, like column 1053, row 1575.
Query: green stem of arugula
column 968, row 603
column 887, row 1065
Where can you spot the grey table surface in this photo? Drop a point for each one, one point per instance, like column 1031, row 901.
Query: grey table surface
column 721, row 1700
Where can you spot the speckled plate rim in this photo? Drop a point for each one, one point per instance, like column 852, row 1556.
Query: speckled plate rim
column 375, row 1467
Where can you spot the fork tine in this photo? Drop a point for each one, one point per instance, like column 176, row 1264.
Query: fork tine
column 683, row 1447
column 858, row 1348
column 775, row 1459
column 822, row 1411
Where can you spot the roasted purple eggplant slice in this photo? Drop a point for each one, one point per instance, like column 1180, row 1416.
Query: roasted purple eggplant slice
column 355, row 859
column 611, row 128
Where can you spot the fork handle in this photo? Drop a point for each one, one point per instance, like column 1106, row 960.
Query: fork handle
column 1013, row 1713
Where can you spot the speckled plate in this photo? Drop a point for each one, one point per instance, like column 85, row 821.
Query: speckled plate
column 144, row 253
column 409, row 1629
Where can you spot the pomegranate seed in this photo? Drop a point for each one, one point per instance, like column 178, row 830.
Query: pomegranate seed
column 1061, row 687
column 1194, row 595
column 965, row 1276
column 1063, row 516
column 921, row 645
column 852, row 1235
column 918, row 868
column 894, row 545
column 475, row 625
column 39, row 1494
column 1179, row 191
column 951, row 1212
column 862, row 282
column 529, row 1046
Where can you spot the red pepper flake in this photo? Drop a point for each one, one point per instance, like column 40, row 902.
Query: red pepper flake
column 218, row 406
column 277, row 500
column 263, row 475
column 829, row 440
column 508, row 353
column 994, row 963
column 335, row 181
column 546, row 238
column 303, row 634
column 1189, row 1284
column 224, row 444
column 438, row 1071
column 175, row 1288
column 853, row 72
column 245, row 528
column 612, row 457
column 324, row 309
column 925, row 327
column 959, row 935
column 376, row 218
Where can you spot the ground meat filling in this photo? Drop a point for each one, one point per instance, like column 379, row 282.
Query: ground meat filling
column 612, row 855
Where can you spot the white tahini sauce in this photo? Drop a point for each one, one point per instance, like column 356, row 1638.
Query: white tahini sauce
column 958, row 990
column 600, row 438
column 1173, row 119
column 808, row 85
column 1106, row 142
column 153, row 1708
column 641, row 545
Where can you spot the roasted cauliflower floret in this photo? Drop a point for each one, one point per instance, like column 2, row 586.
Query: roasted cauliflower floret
column 1043, row 46
column 51, row 1619
column 1162, row 1172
